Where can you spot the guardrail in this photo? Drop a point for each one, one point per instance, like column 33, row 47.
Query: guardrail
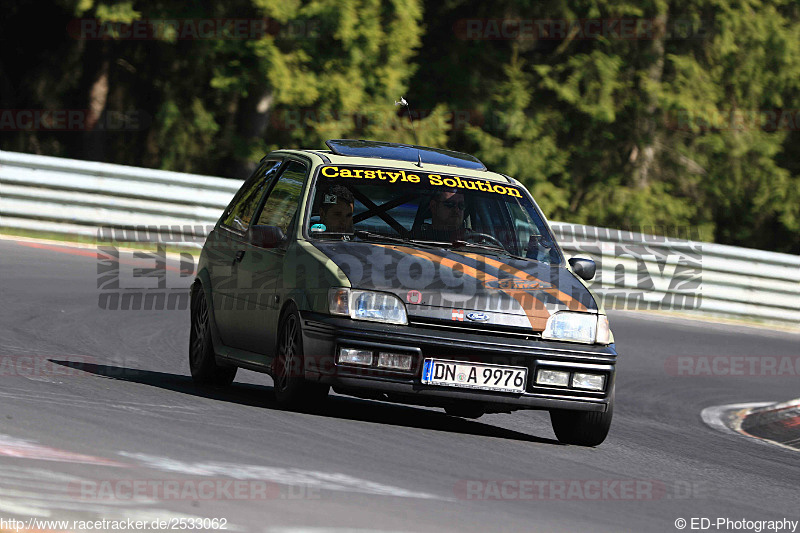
column 638, row 271
column 76, row 197
column 635, row 271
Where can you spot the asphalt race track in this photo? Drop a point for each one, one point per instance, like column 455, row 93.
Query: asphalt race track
column 98, row 416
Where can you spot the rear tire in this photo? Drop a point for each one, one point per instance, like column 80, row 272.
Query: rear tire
column 582, row 428
column 202, row 360
column 288, row 373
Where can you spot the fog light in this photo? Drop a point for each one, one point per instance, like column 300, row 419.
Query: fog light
column 354, row 356
column 588, row 381
column 555, row 378
column 396, row 361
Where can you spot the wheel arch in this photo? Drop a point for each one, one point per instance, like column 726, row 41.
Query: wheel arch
column 290, row 303
column 202, row 282
column 202, row 279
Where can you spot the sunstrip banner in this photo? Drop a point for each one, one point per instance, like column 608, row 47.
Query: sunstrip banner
column 421, row 178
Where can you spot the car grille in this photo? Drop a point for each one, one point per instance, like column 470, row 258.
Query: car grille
column 472, row 328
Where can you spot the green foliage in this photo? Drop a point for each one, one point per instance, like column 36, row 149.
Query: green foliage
column 344, row 79
column 187, row 137
column 117, row 12
column 522, row 145
column 668, row 130
column 724, row 95
column 695, row 125
column 588, row 82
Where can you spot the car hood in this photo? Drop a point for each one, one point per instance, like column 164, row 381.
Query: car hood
column 439, row 284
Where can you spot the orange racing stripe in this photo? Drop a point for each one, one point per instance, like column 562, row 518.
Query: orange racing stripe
column 572, row 303
column 538, row 321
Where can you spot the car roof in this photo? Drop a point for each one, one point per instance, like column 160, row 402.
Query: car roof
column 404, row 152
column 329, row 157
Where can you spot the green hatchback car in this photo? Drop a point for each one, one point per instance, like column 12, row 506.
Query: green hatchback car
column 405, row 274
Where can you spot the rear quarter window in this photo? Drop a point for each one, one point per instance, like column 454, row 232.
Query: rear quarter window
column 240, row 212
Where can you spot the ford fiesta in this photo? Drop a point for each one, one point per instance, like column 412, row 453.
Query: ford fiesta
column 405, row 274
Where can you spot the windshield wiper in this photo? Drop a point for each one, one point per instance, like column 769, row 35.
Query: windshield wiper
column 364, row 234
column 401, row 240
column 369, row 235
column 331, row 234
column 488, row 248
column 438, row 244
column 361, row 234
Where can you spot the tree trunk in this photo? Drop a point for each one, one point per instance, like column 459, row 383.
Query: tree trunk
column 252, row 119
column 644, row 154
column 95, row 134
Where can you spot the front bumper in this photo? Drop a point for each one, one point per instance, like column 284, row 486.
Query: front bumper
column 323, row 335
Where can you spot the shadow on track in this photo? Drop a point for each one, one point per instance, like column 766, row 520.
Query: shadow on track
column 335, row 406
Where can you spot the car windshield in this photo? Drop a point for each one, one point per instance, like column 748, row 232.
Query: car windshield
column 379, row 204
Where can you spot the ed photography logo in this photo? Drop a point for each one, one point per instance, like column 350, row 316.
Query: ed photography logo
column 736, row 524
column 640, row 269
column 145, row 280
column 634, row 271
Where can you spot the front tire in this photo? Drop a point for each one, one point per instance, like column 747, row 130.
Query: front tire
column 202, row 360
column 290, row 385
column 582, row 428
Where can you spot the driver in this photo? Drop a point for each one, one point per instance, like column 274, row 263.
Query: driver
column 447, row 220
column 336, row 210
column 447, row 217
column 447, row 211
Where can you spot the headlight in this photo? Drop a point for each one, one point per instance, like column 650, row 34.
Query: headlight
column 367, row 305
column 603, row 331
column 577, row 327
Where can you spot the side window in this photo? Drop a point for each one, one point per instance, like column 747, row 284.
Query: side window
column 241, row 209
column 283, row 201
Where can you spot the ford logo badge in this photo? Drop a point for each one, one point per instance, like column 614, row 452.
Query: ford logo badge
column 478, row 317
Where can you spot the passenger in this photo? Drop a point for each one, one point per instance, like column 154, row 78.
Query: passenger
column 336, row 209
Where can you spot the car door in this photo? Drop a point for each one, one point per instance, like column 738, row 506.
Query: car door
column 224, row 249
column 260, row 268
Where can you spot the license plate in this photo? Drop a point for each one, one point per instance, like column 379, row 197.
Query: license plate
column 474, row 376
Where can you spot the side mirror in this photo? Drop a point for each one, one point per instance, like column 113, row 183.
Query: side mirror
column 583, row 268
column 265, row 236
